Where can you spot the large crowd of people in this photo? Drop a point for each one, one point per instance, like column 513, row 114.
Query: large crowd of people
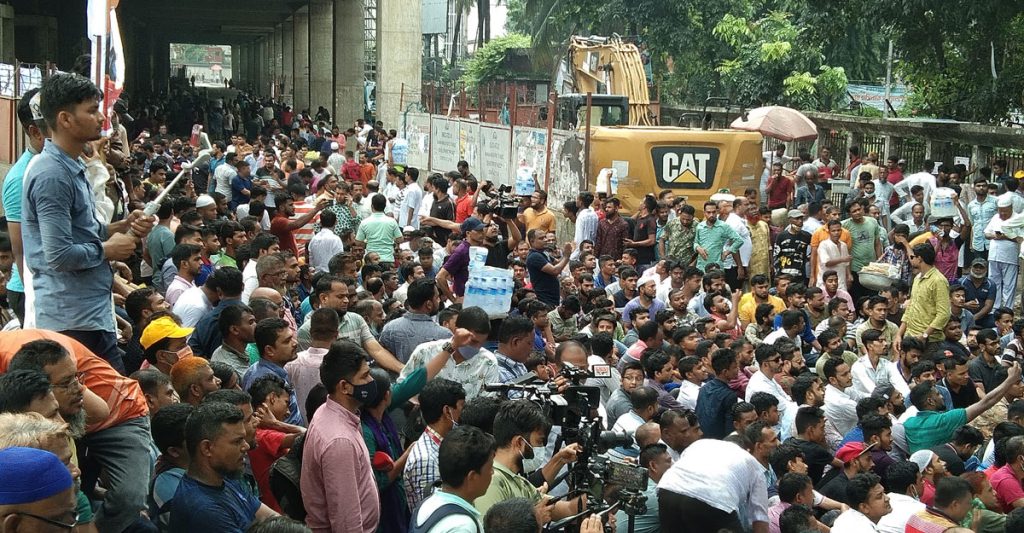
column 280, row 342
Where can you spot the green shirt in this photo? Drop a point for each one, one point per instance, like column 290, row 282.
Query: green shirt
column 930, row 428
column 679, row 240
column 929, row 305
column 225, row 260
column 379, row 232
column 401, row 393
column 505, row 485
column 864, row 237
column 714, row 240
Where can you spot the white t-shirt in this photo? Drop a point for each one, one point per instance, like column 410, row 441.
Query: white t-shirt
column 413, row 199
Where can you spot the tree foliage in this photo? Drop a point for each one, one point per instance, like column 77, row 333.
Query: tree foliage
column 801, row 52
column 947, row 50
column 486, row 63
column 772, row 53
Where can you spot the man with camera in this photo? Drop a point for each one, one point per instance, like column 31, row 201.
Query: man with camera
column 520, row 428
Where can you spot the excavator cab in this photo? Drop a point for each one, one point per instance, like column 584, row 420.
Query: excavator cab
column 605, row 110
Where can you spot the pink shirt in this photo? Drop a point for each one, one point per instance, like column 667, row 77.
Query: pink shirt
column 338, row 487
column 636, row 349
column 304, row 374
column 1007, row 487
column 946, row 257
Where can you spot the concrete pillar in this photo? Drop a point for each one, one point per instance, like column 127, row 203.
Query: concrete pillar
column 269, row 66
column 287, row 68
column 236, row 61
column 321, row 54
column 161, row 65
column 264, row 66
column 348, row 61
column 278, row 56
column 6, row 34
column 399, row 51
column 300, row 66
column 240, row 73
column 251, row 82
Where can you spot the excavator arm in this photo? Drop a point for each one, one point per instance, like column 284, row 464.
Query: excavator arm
column 607, row 65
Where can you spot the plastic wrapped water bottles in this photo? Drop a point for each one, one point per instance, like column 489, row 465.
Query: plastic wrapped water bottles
column 490, row 289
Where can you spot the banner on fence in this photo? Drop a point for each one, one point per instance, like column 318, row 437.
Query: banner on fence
column 417, row 132
column 444, row 144
column 495, row 154
column 469, row 143
column 874, row 95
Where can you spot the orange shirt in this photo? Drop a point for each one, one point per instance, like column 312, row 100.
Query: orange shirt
column 539, row 220
column 463, row 208
column 123, row 395
column 820, row 235
column 368, row 171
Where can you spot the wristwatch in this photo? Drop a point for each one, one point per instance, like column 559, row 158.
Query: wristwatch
column 447, row 347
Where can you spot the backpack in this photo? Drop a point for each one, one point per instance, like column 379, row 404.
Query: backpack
column 284, row 481
column 439, row 514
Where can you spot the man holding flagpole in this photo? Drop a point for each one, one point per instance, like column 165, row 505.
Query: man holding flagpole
column 67, row 249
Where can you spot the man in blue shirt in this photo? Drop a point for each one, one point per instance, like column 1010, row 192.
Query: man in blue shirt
column 208, row 498
column 715, row 399
column 241, row 184
column 66, row 248
column 217, row 159
column 277, row 346
column 35, row 129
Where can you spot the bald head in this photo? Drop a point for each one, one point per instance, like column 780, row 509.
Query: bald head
column 647, row 434
column 267, row 293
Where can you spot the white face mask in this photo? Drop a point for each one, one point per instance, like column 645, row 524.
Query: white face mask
column 535, row 461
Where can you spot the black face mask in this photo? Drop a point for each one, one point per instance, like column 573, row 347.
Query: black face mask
column 364, row 393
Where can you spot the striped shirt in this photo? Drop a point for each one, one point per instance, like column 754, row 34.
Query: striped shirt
column 304, row 234
column 421, row 468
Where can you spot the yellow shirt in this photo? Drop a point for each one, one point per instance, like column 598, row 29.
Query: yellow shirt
column 543, row 220
column 748, row 306
column 929, row 305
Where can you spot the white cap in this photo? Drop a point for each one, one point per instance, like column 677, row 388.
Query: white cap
column 204, row 200
column 334, row 146
column 1004, row 201
column 646, row 279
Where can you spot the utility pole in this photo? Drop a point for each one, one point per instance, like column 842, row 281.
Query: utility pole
column 888, row 82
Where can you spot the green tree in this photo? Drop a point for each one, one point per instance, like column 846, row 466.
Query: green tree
column 947, row 50
column 486, row 63
column 771, row 61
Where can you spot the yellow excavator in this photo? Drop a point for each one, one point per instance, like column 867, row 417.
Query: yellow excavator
column 627, row 142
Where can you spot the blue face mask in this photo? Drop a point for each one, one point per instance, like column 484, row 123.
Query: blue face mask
column 468, row 352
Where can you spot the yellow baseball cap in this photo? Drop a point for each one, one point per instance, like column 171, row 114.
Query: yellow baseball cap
column 162, row 328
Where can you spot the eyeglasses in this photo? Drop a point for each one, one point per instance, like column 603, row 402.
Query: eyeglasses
column 72, row 382
column 52, row 522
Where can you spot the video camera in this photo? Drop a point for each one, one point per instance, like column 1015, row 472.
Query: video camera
column 505, row 204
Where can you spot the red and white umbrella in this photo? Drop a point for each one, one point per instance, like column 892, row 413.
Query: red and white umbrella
column 779, row 122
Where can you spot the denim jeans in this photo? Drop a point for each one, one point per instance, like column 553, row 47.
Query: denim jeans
column 101, row 343
column 122, row 453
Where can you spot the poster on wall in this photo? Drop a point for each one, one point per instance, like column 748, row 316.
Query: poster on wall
column 444, row 144
column 469, row 143
column 529, row 157
column 567, row 178
column 417, row 133
column 495, row 154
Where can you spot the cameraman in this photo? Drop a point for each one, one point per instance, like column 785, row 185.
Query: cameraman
column 656, row 459
column 520, row 428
